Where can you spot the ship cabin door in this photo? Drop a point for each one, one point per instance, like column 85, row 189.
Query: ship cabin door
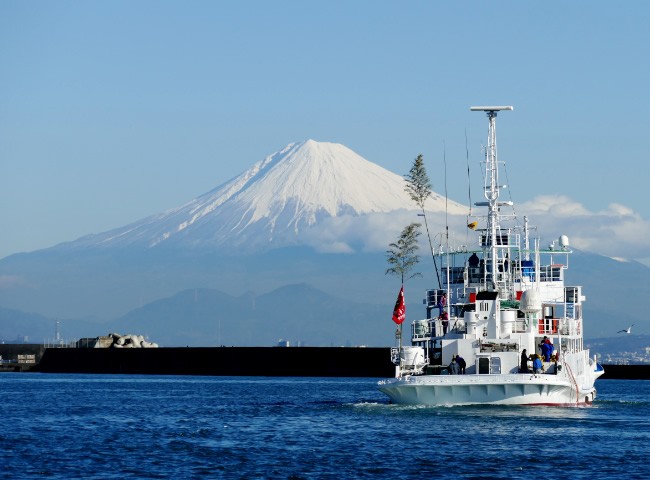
column 486, row 364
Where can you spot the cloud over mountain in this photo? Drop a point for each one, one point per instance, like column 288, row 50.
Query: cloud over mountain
column 616, row 231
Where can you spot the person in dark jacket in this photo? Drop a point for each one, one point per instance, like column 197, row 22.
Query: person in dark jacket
column 549, row 351
column 545, row 353
column 524, row 362
column 461, row 364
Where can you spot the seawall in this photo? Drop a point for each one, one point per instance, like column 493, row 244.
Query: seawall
column 627, row 372
column 231, row 361
column 20, row 357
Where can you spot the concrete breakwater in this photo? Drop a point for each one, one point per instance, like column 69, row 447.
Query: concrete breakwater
column 19, row 357
column 227, row 361
column 230, row 361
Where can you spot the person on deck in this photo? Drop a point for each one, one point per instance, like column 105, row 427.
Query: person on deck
column 523, row 368
column 549, row 351
column 442, row 303
column 545, row 353
column 542, row 343
column 461, row 364
column 454, row 369
column 537, row 364
column 445, row 322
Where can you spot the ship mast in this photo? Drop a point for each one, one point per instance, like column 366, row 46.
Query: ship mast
column 491, row 192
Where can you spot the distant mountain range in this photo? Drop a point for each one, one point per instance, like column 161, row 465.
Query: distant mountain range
column 293, row 248
column 295, row 314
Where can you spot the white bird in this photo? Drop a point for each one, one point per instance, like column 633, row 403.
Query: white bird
column 627, row 330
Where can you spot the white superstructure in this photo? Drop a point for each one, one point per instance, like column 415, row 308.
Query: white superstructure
column 501, row 296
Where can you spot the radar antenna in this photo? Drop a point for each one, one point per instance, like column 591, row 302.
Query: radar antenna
column 492, row 188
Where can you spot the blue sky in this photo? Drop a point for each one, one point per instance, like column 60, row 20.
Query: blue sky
column 113, row 111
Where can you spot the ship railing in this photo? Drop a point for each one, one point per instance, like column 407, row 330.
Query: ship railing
column 520, row 326
column 423, row 330
column 548, row 326
column 60, row 343
column 457, row 325
column 434, row 296
column 394, row 355
column 562, row 326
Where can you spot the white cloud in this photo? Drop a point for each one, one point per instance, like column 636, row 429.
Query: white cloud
column 365, row 233
column 374, row 232
column 616, row 231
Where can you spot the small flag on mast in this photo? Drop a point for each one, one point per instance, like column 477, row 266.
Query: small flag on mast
column 399, row 313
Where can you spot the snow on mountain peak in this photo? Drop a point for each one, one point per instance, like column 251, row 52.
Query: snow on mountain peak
column 324, row 177
column 275, row 200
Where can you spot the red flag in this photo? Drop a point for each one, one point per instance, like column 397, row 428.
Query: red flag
column 399, row 313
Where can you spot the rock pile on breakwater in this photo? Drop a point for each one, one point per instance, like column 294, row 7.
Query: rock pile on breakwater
column 131, row 341
column 115, row 340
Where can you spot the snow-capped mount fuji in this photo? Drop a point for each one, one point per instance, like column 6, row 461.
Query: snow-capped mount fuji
column 274, row 203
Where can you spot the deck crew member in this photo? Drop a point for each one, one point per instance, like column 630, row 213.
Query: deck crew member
column 461, row 364
column 454, row 369
column 537, row 364
column 445, row 322
column 523, row 368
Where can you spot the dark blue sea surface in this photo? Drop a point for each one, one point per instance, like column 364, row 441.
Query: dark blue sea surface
column 114, row 426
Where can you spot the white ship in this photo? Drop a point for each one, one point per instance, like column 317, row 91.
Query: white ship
column 498, row 303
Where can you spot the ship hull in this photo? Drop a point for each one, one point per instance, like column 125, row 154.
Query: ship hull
column 510, row 389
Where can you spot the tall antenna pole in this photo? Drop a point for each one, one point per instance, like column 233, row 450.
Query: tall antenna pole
column 492, row 188
column 526, row 241
column 444, row 159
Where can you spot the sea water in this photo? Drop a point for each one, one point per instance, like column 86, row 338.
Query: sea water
column 118, row 426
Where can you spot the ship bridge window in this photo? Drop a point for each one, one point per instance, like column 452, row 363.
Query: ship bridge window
column 502, row 239
column 572, row 294
column 474, row 274
column 434, row 296
column 551, row 273
column 456, row 275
